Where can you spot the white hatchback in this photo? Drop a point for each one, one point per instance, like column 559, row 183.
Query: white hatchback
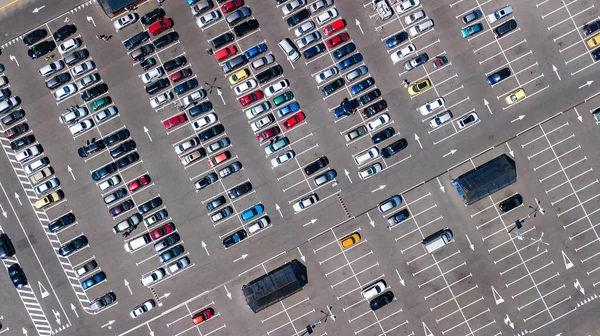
column 327, row 16
column 414, row 17
column 245, row 87
column 373, row 290
column 277, row 87
column 68, row 45
column 64, row 92
column 262, row 123
column 431, row 106
column 208, row 119
column 325, row 75
column 304, row 28
column 407, row 5
column 320, row 4
column 440, row 119
column 307, row 40
column 380, row 121
column 208, row 18
column 152, row 75
column 186, row 145
column 293, row 6
column 283, row 158
column 402, row 53
column 153, row 276
column 306, row 202
column 161, row 99
column 125, row 21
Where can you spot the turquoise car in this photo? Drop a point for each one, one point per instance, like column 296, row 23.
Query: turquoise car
column 471, row 30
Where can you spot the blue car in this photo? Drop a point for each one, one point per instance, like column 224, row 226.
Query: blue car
column 93, row 280
column 186, row 86
column 344, row 50
column 357, row 88
column 252, row 212
column 314, row 51
column 287, row 109
column 498, row 76
column 255, row 51
column 396, row 39
column 346, row 108
column 350, row 61
column 191, row 2
column 471, row 30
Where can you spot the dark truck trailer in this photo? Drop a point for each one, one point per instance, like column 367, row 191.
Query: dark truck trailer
column 486, row 179
column 275, row 285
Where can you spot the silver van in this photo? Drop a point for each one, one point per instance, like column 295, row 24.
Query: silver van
column 438, row 240
column 137, row 243
column 289, row 49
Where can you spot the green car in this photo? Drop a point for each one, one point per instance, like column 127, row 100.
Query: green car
column 286, row 96
column 100, row 103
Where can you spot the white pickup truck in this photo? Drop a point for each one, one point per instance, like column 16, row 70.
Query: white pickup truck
column 383, row 9
column 499, row 14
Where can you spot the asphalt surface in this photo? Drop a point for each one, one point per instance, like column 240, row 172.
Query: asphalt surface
column 539, row 279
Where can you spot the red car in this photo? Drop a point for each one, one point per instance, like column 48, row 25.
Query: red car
column 203, row 315
column 232, row 5
column 162, row 231
column 293, row 120
column 181, row 74
column 266, row 135
column 251, row 97
column 225, row 53
column 174, row 121
column 139, row 182
column 160, row 26
column 217, row 159
column 332, row 42
column 334, row 26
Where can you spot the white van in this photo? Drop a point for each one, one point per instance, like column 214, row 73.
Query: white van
column 421, row 27
column 437, row 240
column 36, row 165
column 137, row 243
column 290, row 50
column 367, row 155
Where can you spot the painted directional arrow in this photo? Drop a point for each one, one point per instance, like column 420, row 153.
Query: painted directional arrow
column 312, row 221
column 70, row 170
column 227, row 290
column 556, row 71
column 568, row 262
column 24, row 331
column 221, row 95
column 377, row 189
column 37, row 9
column 91, row 19
column 301, row 255
column 205, row 249
column 578, row 115
column 418, row 141
column 241, row 258
column 164, row 296
column 147, row 133
column 74, row 310
column 579, row 287
column 3, row 212
column 510, row 151
column 401, row 280
column 441, row 186
column 347, row 175
column 518, row 118
column 450, row 153
column 358, row 24
column 278, row 208
column 108, row 324
column 127, row 285
column 508, row 322
column 588, row 83
column 370, row 220
column 487, row 104
column 18, row 199
column 497, row 296
column 14, row 59
column 470, row 244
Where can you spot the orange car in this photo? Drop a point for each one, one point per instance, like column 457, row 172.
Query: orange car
column 217, row 159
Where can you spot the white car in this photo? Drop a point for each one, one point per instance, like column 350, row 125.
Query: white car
column 218, row 145
column 178, row 265
column 292, row 6
column 72, row 116
column 383, row 9
column 201, row 7
column 51, row 68
column 366, row 156
column 421, row 27
column 258, row 109
column 208, row 119
column 467, row 120
column 325, row 75
column 277, row 87
column 161, row 99
column 29, row 153
column 82, row 68
column 499, row 14
column 402, row 53
column 105, row 114
column 3, row 81
column 81, row 127
column 153, row 277
column 186, row 145
column 126, row 20
column 262, row 123
column 64, row 92
column 407, row 5
column 68, row 45
column 370, row 171
column 373, row 290
column 143, row 308
column 88, row 80
column 111, row 182
column 320, row 4
column 327, row 16
column 245, row 87
column 414, row 17
column 304, row 28
column 283, row 158
column 258, row 225
column 380, row 121
column 307, row 40
column 152, row 75
column 194, row 97
column 306, row 202
column 47, row 186
column 431, row 106
column 440, row 119
column 208, row 18
column 261, row 62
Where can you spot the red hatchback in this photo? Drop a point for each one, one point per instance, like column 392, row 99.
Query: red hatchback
column 203, row 316
column 139, row 182
column 293, row 120
column 334, row 26
column 160, row 26
column 232, row 5
column 251, row 97
column 174, row 121
column 162, row 231
column 266, row 135
column 181, row 74
column 226, row 52
column 332, row 42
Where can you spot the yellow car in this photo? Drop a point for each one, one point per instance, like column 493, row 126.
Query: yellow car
column 350, row 240
column 239, row 76
column 52, row 198
column 515, row 96
column 594, row 41
column 419, row 87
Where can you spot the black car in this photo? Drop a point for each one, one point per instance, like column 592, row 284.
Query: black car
column 165, row 40
column 315, row 166
column 13, row 117
column 116, row 137
column 381, row 300
column 4, row 93
column 314, row 50
column 206, row 181
column 41, row 49
column 77, row 56
column 139, row 54
column 245, row 27
column 590, row 28
column 91, row 147
column 151, row 204
column 175, row 63
column 298, row 17
column 103, row 302
column 217, row 202
column 171, row 253
column 506, row 28
column 72, row 246
column 58, row 80
column 222, row 40
column 152, row 16
column 270, row 73
column 110, row 168
column 333, row 86
column 200, row 108
column 239, row 190
column 344, row 50
column 62, row 222
column 372, row 110
column 35, row 36
column 596, row 54
column 234, row 238
column 24, row 141
column 148, row 63
column 127, row 160
column 119, row 209
column 211, row 132
column 186, row 86
column 63, row 32
column 16, row 130
column 7, row 249
column 17, row 276
column 123, row 148
column 136, row 40
column 369, row 97
column 157, row 86
column 394, row 148
column 94, row 92
column 511, row 203
column 383, row 135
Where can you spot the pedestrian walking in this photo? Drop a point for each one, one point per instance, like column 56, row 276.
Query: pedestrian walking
column 405, row 83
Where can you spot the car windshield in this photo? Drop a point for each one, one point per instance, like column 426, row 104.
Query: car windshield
column 469, row 119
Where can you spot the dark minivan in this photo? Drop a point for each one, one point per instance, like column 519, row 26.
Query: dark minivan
column 506, row 28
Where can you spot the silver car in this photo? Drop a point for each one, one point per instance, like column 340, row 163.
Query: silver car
column 354, row 74
column 390, row 203
column 325, row 75
column 47, row 186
